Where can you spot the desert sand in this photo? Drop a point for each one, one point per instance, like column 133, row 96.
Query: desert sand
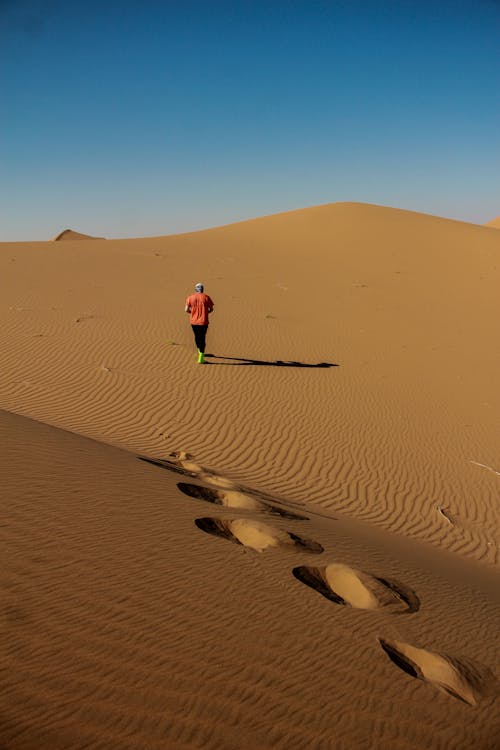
column 294, row 545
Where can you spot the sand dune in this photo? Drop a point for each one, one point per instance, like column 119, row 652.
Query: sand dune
column 405, row 306
column 307, row 553
column 125, row 626
column 69, row 234
column 494, row 223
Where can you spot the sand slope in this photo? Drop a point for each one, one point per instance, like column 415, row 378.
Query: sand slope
column 124, row 625
column 402, row 431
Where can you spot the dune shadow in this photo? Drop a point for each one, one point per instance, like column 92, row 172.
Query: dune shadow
column 238, row 361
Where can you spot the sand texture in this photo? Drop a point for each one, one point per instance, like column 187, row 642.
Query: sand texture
column 294, row 545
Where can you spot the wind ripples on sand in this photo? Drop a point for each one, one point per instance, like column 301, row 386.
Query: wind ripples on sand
column 399, row 434
column 105, row 390
column 125, row 626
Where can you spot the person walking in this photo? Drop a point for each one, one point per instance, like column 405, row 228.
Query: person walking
column 199, row 305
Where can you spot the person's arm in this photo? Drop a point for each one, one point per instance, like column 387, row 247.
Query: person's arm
column 187, row 309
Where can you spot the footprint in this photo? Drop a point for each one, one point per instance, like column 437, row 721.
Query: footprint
column 188, row 469
column 447, row 515
column 181, row 455
column 256, row 535
column 184, row 461
column 82, row 318
column 169, row 465
column 461, row 678
column 344, row 585
column 232, row 496
column 235, row 499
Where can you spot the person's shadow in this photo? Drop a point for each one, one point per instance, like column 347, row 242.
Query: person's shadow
column 234, row 361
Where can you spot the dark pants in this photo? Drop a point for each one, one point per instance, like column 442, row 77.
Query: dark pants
column 200, row 333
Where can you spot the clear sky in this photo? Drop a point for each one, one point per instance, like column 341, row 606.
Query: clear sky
column 137, row 118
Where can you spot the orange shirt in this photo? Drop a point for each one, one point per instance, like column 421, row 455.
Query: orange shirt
column 199, row 305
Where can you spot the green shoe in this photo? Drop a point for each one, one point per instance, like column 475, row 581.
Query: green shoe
column 201, row 358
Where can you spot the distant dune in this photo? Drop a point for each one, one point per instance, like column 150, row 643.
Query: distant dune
column 307, row 554
column 69, row 234
column 494, row 223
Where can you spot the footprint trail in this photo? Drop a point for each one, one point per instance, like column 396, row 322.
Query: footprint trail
column 342, row 584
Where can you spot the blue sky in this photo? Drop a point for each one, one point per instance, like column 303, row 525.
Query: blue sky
column 139, row 118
